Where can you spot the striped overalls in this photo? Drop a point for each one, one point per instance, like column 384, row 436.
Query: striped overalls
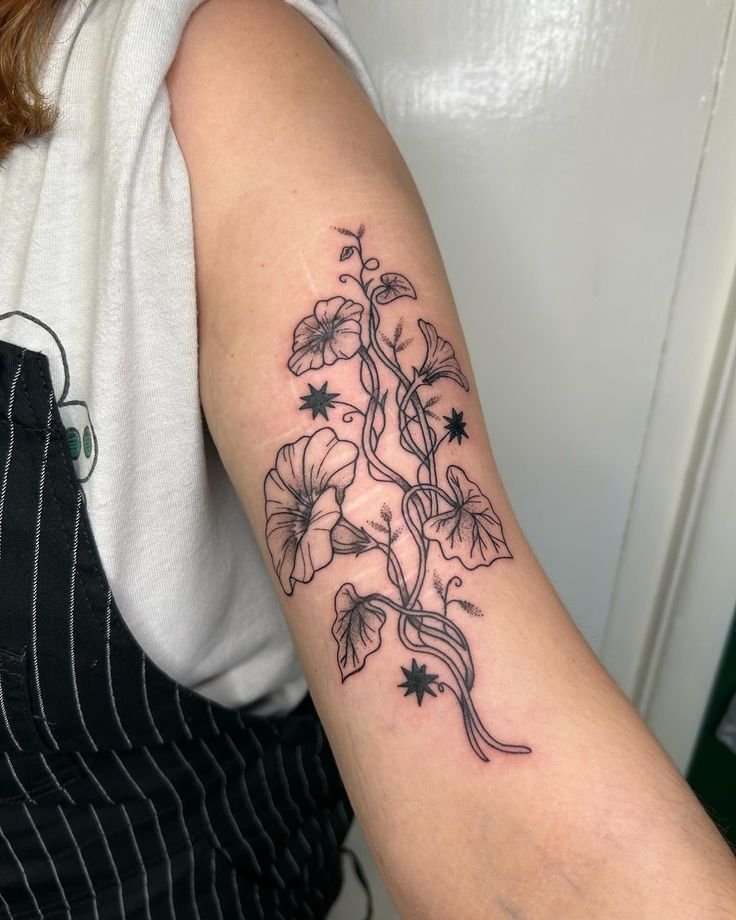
column 122, row 792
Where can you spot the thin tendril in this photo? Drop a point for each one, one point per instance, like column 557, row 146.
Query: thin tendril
column 354, row 410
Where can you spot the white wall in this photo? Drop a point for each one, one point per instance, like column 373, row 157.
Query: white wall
column 556, row 145
column 574, row 159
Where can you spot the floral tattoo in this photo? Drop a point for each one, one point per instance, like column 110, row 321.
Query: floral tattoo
column 450, row 520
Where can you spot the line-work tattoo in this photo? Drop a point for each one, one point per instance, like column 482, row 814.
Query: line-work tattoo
column 305, row 491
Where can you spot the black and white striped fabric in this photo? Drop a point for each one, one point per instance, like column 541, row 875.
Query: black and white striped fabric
column 122, row 793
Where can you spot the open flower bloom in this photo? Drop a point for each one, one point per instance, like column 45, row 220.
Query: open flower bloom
column 471, row 530
column 303, row 496
column 440, row 360
column 332, row 332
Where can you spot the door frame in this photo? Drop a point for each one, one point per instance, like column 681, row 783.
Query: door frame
column 675, row 588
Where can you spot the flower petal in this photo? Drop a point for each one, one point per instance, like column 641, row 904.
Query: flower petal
column 333, row 332
column 290, row 468
column 326, row 312
column 306, row 332
column 314, row 550
column 309, row 358
column 345, row 340
column 303, row 494
column 282, row 537
column 285, row 527
column 328, row 462
column 440, row 360
column 349, row 310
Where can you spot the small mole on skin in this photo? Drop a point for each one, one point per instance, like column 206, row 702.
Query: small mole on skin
column 509, row 911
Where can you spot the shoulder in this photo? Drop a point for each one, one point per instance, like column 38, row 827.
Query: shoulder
column 218, row 31
column 237, row 60
column 262, row 103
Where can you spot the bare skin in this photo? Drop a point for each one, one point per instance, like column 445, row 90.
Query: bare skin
column 577, row 811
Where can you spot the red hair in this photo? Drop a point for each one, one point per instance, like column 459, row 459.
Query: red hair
column 25, row 28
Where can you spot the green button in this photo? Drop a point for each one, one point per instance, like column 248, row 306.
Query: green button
column 74, row 442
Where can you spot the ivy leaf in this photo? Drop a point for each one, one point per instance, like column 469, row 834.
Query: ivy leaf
column 470, row 530
column 393, row 287
column 357, row 629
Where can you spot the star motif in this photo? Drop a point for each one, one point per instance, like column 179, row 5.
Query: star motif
column 456, row 426
column 418, row 681
column 318, row 400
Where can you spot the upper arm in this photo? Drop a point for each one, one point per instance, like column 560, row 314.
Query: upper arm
column 390, row 540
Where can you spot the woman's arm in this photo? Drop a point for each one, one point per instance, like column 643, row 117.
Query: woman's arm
column 494, row 765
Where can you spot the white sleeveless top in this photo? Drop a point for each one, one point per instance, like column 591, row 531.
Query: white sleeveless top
column 97, row 272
